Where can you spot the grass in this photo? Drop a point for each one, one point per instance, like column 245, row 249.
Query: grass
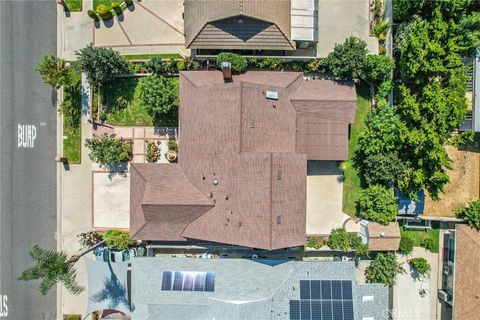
column 149, row 56
column 351, row 185
column 135, row 113
column 74, row 5
column 419, row 235
column 72, row 110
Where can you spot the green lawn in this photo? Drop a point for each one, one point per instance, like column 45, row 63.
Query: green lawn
column 135, row 113
column 351, row 185
column 419, row 235
column 74, row 5
column 149, row 56
column 72, row 110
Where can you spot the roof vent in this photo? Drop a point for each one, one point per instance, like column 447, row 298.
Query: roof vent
column 215, row 182
column 279, row 174
column 279, row 219
column 227, row 70
column 251, row 124
column 382, row 234
column 272, row 95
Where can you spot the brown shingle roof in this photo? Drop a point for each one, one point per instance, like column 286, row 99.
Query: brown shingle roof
column 229, row 132
column 383, row 238
column 211, row 24
column 467, row 282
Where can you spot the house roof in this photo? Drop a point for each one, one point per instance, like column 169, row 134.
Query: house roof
column 467, row 283
column 243, row 289
column 265, row 24
column 232, row 135
column 383, row 238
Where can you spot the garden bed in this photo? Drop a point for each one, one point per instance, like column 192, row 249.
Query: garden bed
column 123, row 107
column 419, row 235
column 152, row 55
column 351, row 184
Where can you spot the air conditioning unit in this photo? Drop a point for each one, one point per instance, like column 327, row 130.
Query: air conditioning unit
column 446, row 270
column 444, row 295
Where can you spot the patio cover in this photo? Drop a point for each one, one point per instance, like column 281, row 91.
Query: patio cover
column 107, row 286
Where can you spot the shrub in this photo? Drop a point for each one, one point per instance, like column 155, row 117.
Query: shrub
column 92, row 15
column 421, row 265
column 316, row 65
column 152, row 153
column 239, row 63
column 347, row 60
column 172, row 145
column 384, row 269
column 406, row 244
column 118, row 239
column 427, row 243
column 272, row 63
column 116, row 7
column 379, row 28
column 344, row 241
column 462, row 138
column 128, row 2
column 53, row 71
column 104, row 12
column 108, row 150
column 377, row 203
column 158, row 66
column 160, row 97
column 188, row 63
column 312, row 242
column 470, row 213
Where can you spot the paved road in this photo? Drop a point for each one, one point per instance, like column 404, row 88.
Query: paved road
column 27, row 172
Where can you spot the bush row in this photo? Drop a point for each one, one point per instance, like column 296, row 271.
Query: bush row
column 104, row 13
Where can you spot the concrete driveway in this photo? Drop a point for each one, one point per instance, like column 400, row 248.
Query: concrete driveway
column 407, row 301
column 111, row 200
column 149, row 26
column 324, row 198
column 340, row 19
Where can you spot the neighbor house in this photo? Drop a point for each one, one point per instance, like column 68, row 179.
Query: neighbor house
column 188, row 289
column 460, row 281
column 241, row 174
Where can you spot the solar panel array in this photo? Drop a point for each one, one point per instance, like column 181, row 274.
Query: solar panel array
column 188, row 281
column 323, row 300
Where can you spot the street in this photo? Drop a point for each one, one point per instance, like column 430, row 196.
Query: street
column 28, row 149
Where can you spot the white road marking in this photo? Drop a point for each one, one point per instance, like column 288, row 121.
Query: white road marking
column 27, row 133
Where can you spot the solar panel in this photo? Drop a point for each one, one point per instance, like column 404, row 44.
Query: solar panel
column 326, row 289
column 199, row 283
column 210, row 281
column 347, row 290
column 304, row 289
column 337, row 290
column 294, row 310
column 315, row 289
column 323, row 300
column 188, row 278
column 305, row 312
column 167, row 280
column 178, row 281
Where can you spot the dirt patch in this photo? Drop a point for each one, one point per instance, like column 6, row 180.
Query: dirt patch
column 464, row 183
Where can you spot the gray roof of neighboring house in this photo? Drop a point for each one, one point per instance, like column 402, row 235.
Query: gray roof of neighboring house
column 244, row 289
column 238, row 24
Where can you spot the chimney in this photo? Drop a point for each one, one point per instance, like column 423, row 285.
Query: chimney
column 227, row 71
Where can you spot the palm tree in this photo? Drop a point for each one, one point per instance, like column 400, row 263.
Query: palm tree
column 52, row 267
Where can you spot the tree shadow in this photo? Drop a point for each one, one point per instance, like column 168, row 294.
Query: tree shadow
column 120, row 16
column 131, row 7
column 114, row 292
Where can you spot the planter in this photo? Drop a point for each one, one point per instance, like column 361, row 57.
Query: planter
column 171, row 156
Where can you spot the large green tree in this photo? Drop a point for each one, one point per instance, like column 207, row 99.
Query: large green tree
column 377, row 203
column 470, row 213
column 109, row 150
column 384, row 269
column 100, row 64
column 53, row 71
column 160, row 97
column 52, row 267
column 347, row 60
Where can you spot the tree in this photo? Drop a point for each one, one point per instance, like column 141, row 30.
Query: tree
column 384, row 269
column 238, row 63
column 118, row 239
column 377, row 68
column 470, row 213
column 469, row 29
column 376, row 158
column 108, row 150
column 344, row 241
column 160, row 97
column 421, row 265
column 53, row 71
column 100, row 64
column 377, row 203
column 51, row 267
column 347, row 60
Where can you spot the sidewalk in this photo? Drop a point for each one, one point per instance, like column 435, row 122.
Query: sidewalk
column 76, row 30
